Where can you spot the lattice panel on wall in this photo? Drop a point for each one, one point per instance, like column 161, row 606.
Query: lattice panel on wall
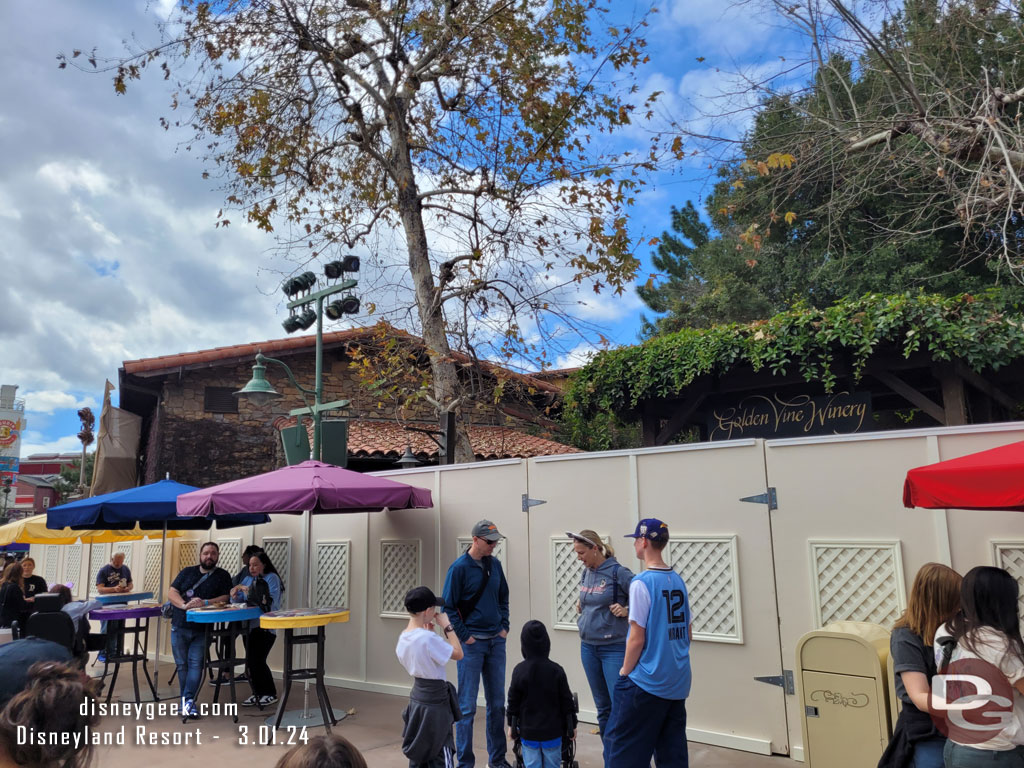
column 151, row 577
column 188, row 554
column 279, row 550
column 98, row 560
column 332, row 566
column 1009, row 555
column 566, row 572
column 399, row 572
column 857, row 581
column 710, row 568
column 230, row 555
column 462, row 544
column 52, row 556
column 73, row 565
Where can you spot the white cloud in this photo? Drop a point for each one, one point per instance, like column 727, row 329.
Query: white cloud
column 34, row 442
column 577, row 357
column 48, row 401
column 76, row 176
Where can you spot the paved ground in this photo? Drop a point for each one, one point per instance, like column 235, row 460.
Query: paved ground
column 375, row 727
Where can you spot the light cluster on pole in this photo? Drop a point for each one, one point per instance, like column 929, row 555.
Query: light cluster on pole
column 302, row 315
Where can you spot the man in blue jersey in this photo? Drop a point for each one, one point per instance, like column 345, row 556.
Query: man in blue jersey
column 649, row 703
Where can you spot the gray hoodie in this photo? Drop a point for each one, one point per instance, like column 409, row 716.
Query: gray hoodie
column 598, row 625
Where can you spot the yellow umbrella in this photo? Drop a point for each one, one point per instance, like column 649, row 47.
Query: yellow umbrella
column 33, row 530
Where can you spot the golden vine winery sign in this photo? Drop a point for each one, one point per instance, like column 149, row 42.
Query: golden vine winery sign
column 791, row 416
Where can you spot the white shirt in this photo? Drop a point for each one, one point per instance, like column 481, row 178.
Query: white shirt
column 423, row 653
column 992, row 647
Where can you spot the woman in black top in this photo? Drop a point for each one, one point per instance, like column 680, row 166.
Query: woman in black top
column 13, row 605
column 34, row 585
column 934, row 597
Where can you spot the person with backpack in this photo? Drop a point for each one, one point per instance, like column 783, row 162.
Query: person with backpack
column 983, row 640
column 476, row 601
column 541, row 709
column 262, row 588
column 603, row 618
column 194, row 587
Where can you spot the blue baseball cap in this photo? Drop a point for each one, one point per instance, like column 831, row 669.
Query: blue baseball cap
column 650, row 528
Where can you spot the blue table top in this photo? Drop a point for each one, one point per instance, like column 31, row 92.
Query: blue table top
column 123, row 597
column 217, row 615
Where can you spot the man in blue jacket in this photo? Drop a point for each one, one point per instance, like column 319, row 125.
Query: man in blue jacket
column 476, row 601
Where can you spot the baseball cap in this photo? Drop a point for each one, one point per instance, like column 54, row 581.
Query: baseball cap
column 650, row 528
column 17, row 656
column 420, row 598
column 485, row 529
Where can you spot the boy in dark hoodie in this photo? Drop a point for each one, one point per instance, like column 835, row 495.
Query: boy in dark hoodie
column 540, row 699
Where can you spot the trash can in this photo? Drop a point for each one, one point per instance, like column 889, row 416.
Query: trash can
column 844, row 691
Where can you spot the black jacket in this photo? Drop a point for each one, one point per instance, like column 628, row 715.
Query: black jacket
column 427, row 734
column 539, row 696
column 12, row 604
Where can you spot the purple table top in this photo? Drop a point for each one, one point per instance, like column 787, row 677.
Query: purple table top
column 119, row 613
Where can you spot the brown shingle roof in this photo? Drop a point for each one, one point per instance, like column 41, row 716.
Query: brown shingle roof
column 372, row 438
column 292, row 343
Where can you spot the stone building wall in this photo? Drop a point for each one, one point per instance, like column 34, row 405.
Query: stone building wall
column 203, row 448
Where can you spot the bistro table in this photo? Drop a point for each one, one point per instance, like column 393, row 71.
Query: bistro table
column 299, row 618
column 116, row 617
column 113, row 598
column 223, row 623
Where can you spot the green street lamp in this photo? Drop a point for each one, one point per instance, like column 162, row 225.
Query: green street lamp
column 302, row 315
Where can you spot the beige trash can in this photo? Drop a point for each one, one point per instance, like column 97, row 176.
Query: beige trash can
column 844, row 691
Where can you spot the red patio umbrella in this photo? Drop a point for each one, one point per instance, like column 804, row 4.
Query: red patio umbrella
column 992, row 479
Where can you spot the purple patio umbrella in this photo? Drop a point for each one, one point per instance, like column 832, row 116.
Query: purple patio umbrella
column 309, row 488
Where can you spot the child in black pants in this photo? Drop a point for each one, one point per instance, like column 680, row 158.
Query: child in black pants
column 539, row 701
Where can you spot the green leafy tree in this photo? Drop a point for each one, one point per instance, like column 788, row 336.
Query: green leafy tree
column 70, row 477
column 464, row 126
column 896, row 166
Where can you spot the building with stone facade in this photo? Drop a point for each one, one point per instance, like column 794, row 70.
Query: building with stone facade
column 196, row 429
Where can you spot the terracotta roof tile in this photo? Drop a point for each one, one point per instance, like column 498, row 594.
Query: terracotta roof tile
column 272, row 346
column 371, row 438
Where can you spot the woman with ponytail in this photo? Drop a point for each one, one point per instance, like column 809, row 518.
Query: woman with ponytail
column 603, row 617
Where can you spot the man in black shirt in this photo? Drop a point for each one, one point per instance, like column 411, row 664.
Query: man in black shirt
column 194, row 587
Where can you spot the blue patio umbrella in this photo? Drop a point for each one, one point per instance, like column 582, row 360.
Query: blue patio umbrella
column 151, row 507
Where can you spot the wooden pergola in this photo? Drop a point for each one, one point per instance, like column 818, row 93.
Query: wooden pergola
column 914, row 391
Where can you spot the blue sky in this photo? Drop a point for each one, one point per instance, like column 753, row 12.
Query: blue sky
column 107, row 238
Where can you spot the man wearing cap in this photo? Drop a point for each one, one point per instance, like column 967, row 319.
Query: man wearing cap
column 476, row 601
column 649, row 711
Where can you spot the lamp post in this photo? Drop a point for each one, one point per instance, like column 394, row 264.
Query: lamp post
column 259, row 390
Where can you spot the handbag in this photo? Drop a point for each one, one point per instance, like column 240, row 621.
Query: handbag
column 167, row 609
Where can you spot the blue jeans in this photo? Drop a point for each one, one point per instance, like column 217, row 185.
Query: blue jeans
column 484, row 658
column 602, row 663
column 543, row 757
column 958, row 756
column 928, row 754
column 189, row 646
column 641, row 725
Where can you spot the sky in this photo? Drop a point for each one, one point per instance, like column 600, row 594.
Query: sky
column 108, row 248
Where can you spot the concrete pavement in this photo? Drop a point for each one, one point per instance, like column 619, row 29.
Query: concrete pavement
column 375, row 728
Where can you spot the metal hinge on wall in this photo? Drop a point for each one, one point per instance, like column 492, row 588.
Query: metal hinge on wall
column 770, row 498
column 784, row 681
column 528, row 502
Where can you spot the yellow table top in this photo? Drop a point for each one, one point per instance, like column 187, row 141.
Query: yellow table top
column 297, row 618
